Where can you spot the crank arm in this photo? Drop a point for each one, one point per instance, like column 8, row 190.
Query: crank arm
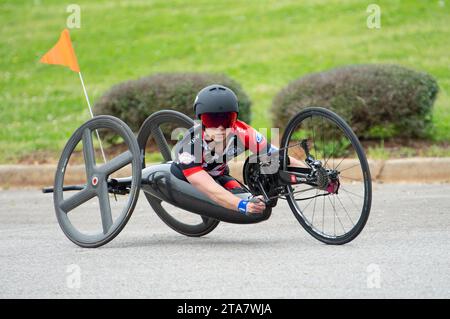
column 266, row 197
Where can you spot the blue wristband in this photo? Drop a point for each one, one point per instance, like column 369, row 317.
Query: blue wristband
column 242, row 207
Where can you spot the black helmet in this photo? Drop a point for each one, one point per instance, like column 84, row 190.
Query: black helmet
column 215, row 98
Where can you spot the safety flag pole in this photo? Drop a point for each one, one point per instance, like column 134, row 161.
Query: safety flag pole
column 63, row 54
column 92, row 114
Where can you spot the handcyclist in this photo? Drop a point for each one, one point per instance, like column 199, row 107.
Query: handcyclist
column 219, row 137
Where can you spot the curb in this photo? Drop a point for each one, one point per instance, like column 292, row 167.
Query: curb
column 408, row 170
column 415, row 169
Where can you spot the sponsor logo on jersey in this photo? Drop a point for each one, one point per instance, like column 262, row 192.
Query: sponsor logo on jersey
column 259, row 137
column 240, row 129
column 186, row 158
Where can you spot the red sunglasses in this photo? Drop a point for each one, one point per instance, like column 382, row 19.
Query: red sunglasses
column 225, row 119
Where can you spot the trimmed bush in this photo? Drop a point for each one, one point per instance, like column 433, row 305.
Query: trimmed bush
column 378, row 101
column 133, row 101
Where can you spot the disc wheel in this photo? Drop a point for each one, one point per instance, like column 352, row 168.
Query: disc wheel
column 152, row 128
column 338, row 214
column 97, row 182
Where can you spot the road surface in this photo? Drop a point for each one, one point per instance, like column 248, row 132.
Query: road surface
column 404, row 251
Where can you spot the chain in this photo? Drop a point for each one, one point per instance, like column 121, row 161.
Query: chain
column 296, row 192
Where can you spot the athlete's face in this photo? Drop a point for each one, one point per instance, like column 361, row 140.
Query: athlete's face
column 216, row 133
column 216, row 124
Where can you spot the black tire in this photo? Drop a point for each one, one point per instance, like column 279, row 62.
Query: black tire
column 64, row 206
column 334, row 119
column 151, row 127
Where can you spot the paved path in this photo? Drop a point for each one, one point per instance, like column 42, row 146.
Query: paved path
column 404, row 251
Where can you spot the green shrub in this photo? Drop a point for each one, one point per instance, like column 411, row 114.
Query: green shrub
column 133, row 101
column 378, row 101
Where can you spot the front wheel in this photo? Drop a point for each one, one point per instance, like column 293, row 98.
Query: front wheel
column 334, row 208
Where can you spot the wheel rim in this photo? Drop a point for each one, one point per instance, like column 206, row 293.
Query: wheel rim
column 152, row 127
column 97, row 182
column 330, row 216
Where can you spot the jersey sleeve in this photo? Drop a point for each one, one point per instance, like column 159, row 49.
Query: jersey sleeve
column 254, row 140
column 189, row 156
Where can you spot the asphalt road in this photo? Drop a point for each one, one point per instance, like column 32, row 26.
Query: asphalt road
column 404, row 251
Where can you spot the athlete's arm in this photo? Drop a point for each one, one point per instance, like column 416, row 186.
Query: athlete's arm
column 293, row 162
column 257, row 143
column 206, row 184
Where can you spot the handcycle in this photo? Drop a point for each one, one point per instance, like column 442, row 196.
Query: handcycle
column 330, row 196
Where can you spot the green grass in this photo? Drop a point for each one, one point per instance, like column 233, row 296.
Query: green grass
column 262, row 44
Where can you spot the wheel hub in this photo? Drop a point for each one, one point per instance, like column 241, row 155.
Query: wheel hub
column 94, row 181
column 334, row 183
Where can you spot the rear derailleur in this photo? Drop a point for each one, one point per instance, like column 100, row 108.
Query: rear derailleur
column 316, row 174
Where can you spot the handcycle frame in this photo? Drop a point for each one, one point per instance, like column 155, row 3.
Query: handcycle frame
column 158, row 181
column 161, row 185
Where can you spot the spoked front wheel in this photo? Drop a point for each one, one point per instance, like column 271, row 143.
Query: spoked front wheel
column 333, row 203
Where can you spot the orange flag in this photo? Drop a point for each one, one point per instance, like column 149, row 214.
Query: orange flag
column 62, row 53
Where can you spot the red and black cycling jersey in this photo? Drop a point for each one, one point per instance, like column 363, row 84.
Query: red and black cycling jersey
column 194, row 153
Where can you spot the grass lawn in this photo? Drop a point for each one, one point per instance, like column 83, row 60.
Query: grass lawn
column 262, row 44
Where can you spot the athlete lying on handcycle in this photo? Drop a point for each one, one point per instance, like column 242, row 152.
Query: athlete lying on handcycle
column 207, row 147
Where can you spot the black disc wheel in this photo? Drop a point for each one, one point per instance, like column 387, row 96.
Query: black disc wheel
column 75, row 213
column 153, row 133
column 334, row 205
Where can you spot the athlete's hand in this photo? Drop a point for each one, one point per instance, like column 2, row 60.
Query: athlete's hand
column 256, row 207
